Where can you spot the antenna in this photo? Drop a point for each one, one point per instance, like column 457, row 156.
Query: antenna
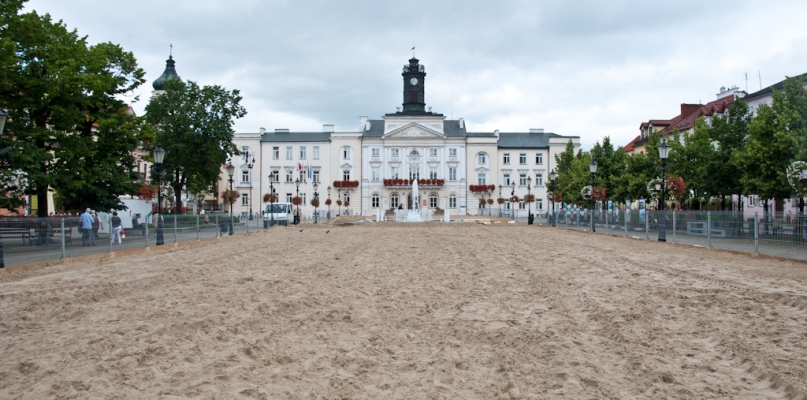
column 413, row 51
column 171, row 50
column 746, row 81
column 760, row 79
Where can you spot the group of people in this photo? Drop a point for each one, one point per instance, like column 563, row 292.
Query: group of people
column 91, row 223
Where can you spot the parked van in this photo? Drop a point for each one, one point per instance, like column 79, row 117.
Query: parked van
column 278, row 214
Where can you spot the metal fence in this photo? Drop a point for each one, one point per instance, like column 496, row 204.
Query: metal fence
column 32, row 240
column 777, row 234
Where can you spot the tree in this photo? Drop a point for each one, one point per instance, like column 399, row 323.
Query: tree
column 690, row 158
column 70, row 132
column 610, row 166
column 195, row 127
column 728, row 135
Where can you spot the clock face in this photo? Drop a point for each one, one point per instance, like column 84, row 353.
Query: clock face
column 413, row 81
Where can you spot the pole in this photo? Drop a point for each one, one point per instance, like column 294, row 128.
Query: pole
column 591, row 217
column 160, row 239
column 756, row 232
column 674, row 238
column 709, row 227
column 197, row 226
column 175, row 227
column 662, row 228
column 230, row 195
column 63, row 238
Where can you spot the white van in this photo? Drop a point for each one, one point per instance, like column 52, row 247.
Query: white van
column 278, row 214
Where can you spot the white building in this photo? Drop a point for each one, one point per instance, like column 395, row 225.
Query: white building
column 375, row 163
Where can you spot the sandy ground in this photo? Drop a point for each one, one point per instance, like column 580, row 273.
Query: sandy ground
column 408, row 311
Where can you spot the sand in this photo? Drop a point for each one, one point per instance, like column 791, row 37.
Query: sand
column 408, row 311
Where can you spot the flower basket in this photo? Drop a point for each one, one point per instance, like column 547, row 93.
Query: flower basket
column 338, row 202
column 296, row 200
column 147, row 192
column 514, row 199
column 269, row 198
column 529, row 198
column 490, row 201
column 347, row 204
column 500, row 200
column 229, row 195
column 598, row 193
column 315, row 202
column 557, row 196
column 345, row 184
column 328, row 202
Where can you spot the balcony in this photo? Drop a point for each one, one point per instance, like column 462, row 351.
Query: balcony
column 421, row 182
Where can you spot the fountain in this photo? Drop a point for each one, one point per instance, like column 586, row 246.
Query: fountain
column 414, row 214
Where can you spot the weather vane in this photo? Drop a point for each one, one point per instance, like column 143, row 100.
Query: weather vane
column 413, row 51
column 171, row 50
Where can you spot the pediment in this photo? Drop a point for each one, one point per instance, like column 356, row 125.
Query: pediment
column 414, row 130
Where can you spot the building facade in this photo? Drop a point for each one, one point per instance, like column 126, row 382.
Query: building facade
column 372, row 166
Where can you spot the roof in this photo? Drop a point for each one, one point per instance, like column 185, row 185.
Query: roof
column 296, row 137
column 525, row 140
column 451, row 128
column 169, row 73
column 768, row 90
column 632, row 145
column 685, row 120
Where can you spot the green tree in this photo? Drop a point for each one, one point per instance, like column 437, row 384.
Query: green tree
column 70, row 132
column 728, row 135
column 610, row 166
column 195, row 127
column 690, row 157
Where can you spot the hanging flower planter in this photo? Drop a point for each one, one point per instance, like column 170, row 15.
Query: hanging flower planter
column 328, row 202
column 269, row 198
column 315, row 202
column 338, row 202
column 345, row 184
column 514, row 199
column 529, row 198
column 481, row 188
column 500, row 200
column 296, row 200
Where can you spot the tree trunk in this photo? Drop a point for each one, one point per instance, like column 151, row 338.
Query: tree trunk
column 42, row 202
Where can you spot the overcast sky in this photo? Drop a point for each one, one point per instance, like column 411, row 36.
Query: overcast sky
column 584, row 68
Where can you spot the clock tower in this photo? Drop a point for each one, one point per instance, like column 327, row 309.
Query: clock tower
column 414, row 93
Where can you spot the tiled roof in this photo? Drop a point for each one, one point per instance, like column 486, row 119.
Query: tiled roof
column 768, row 90
column 296, row 137
column 524, row 140
column 632, row 145
column 686, row 120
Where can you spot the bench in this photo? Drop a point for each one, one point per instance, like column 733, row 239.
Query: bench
column 24, row 234
column 699, row 228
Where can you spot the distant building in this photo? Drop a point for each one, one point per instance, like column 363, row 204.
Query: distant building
column 411, row 143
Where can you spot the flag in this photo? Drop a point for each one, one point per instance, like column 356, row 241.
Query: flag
column 299, row 166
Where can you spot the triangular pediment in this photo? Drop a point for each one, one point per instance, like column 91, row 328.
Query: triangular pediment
column 413, row 130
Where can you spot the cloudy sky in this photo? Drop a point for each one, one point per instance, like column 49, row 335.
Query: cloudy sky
column 585, row 68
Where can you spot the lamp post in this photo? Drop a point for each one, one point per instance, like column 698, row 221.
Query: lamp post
column 271, row 199
column 513, row 193
column 592, row 167
column 329, row 197
column 316, row 197
column 803, row 179
column 3, row 116
column 339, row 200
column 500, row 196
column 529, row 209
column 297, row 187
column 663, row 152
column 231, row 172
column 490, row 198
column 552, row 176
column 159, row 157
column 247, row 169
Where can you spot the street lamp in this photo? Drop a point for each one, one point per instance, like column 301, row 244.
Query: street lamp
column 513, row 193
column 272, row 199
column 159, row 157
column 663, row 152
column 500, row 196
column 529, row 209
column 592, row 167
column 329, row 197
column 339, row 200
column 247, row 169
column 297, row 186
column 316, row 197
column 552, row 176
column 231, row 172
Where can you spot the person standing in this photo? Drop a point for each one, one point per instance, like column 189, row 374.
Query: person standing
column 86, row 220
column 115, row 224
column 96, row 224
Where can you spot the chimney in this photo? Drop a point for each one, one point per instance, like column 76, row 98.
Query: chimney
column 363, row 123
column 496, row 132
column 263, row 130
column 281, row 130
column 536, row 130
column 327, row 128
column 688, row 108
column 462, row 123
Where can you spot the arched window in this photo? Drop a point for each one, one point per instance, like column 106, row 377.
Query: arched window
column 433, row 200
column 347, row 152
column 452, row 201
column 375, row 200
column 414, row 153
column 393, row 200
column 482, row 158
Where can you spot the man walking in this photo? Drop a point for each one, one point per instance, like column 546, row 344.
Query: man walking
column 86, row 220
column 116, row 227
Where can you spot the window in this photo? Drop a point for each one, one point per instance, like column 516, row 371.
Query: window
column 315, row 175
column 482, row 159
column 346, row 152
column 522, row 158
column 244, row 199
column 289, row 152
column 522, row 205
column 376, row 173
column 394, row 153
column 506, row 179
column 432, row 152
column 432, row 200
column 539, row 204
column 452, row 201
column 302, row 196
column 346, row 197
column 275, row 153
column 375, row 201
column 452, row 173
column 288, row 197
column 376, row 152
column 481, row 179
column 414, row 173
column 522, row 180
column 452, row 152
column 539, row 158
column 346, row 175
column 539, row 180
column 432, row 172
column 752, row 201
column 414, row 153
column 302, row 152
column 245, row 176
column 506, row 159
column 316, row 152
column 394, row 172
column 393, row 200
column 289, row 176
column 275, row 176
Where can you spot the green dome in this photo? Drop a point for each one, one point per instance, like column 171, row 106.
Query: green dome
column 169, row 73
